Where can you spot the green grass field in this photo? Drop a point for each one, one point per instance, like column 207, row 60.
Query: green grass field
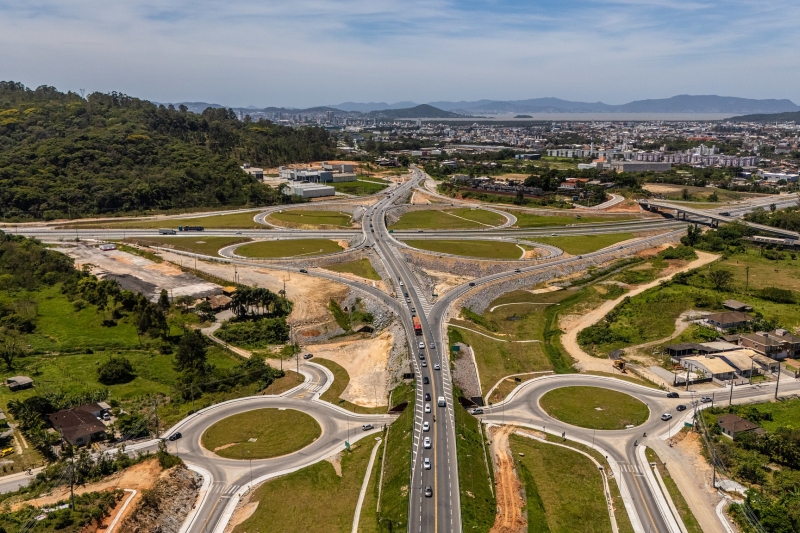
column 397, row 465
column 527, row 220
column 584, row 244
column 564, row 488
column 340, row 380
column 478, row 504
column 462, row 218
column 359, row 187
column 288, row 248
column 594, row 407
column 296, row 218
column 198, row 244
column 261, row 434
column 242, row 220
column 479, row 249
column 362, row 268
column 314, row 499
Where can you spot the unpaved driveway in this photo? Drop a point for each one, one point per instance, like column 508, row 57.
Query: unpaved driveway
column 569, row 340
column 510, row 517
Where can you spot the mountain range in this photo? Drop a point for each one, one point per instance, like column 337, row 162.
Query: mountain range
column 446, row 109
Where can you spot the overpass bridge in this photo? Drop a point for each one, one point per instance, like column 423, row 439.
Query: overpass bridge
column 715, row 216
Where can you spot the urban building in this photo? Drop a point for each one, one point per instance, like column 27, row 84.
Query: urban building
column 308, row 190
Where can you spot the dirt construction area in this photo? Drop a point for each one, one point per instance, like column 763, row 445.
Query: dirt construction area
column 508, row 489
column 366, row 362
column 138, row 274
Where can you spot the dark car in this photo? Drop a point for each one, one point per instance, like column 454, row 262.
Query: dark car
column 422, row 355
column 681, row 407
column 308, row 356
column 428, row 491
column 425, row 380
column 304, row 271
column 673, row 395
column 427, row 396
column 471, row 283
column 175, row 436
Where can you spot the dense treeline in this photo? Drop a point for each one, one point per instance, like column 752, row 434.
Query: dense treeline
column 788, row 218
column 65, row 156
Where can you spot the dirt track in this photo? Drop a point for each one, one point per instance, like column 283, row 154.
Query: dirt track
column 508, row 489
column 570, row 339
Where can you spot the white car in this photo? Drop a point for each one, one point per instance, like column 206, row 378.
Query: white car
column 424, row 363
column 426, row 463
column 427, row 408
column 427, row 442
column 421, row 345
column 426, row 426
column 437, row 367
column 666, row 416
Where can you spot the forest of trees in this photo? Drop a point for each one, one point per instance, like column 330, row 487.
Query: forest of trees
column 63, row 156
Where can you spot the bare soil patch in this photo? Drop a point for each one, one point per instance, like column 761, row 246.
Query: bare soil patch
column 510, row 517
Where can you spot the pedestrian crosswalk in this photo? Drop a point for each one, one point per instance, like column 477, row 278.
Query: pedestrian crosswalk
column 630, row 468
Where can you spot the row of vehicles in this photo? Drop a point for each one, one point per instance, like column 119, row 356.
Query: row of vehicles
column 170, row 231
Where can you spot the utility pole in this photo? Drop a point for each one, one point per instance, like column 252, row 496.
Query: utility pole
column 730, row 400
column 155, row 402
column 747, row 279
column 778, row 381
column 752, row 364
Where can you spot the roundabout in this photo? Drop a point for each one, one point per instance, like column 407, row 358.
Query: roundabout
column 594, row 407
column 261, row 434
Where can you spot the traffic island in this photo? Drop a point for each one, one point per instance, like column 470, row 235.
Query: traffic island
column 594, row 407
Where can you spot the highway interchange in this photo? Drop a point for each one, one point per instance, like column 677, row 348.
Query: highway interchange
column 440, row 512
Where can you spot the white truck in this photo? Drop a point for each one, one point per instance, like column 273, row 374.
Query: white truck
column 440, row 401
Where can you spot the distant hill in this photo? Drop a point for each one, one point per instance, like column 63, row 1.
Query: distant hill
column 768, row 117
column 371, row 106
column 420, row 111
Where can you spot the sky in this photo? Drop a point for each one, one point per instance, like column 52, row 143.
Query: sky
column 300, row 53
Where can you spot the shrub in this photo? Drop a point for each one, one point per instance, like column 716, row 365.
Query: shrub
column 682, row 252
column 259, row 333
column 774, row 294
column 116, row 370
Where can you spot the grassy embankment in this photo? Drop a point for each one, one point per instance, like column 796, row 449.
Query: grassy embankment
column 594, row 407
column 261, row 434
column 584, row 244
column 241, row 220
column 461, row 218
column 340, row 381
column 478, row 249
column 528, row 220
column 197, row 243
column 361, row 267
column 295, row 218
column 314, row 499
column 692, row 526
column 288, row 248
column 564, row 489
column 361, row 187
column 475, row 475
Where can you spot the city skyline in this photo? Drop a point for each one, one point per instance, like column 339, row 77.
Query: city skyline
column 315, row 53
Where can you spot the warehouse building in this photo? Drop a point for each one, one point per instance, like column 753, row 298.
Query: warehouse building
column 308, row 190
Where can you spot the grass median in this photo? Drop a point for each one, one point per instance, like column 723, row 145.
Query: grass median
column 261, row 434
column 198, row 244
column 241, row 220
column 394, row 490
column 288, row 248
column 310, row 218
column 478, row 249
column 360, row 187
column 594, row 407
column 317, row 499
column 564, row 489
column 463, row 218
column 362, row 268
column 584, row 244
column 528, row 220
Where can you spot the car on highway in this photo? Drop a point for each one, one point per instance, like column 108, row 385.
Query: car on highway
column 238, row 233
column 554, row 234
column 426, row 463
column 432, row 345
column 308, row 356
column 427, row 396
column 401, row 284
column 517, row 270
column 303, row 271
column 471, row 283
column 367, row 427
column 427, row 443
column 424, row 363
column 422, row 355
column 426, row 426
column 421, row 345
column 673, row 395
column 428, row 491
column 681, row 407
column 175, row 436
column 666, row 416
column 477, row 411
column 420, row 231
column 425, row 380
column 437, row 367
column 705, row 399
column 427, row 408
column 413, row 309
column 408, row 300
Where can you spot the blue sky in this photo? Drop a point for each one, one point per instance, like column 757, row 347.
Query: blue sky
column 313, row 52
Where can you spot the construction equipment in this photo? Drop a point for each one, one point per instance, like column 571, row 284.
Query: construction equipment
column 619, row 364
column 6, row 451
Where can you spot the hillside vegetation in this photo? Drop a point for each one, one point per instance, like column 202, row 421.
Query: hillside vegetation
column 65, row 156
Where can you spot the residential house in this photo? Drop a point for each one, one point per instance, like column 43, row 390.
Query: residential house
column 710, row 366
column 77, row 426
column 778, row 344
column 735, row 305
column 728, row 320
column 732, row 425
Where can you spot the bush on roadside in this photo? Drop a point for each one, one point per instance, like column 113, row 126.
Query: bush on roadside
column 115, row 371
